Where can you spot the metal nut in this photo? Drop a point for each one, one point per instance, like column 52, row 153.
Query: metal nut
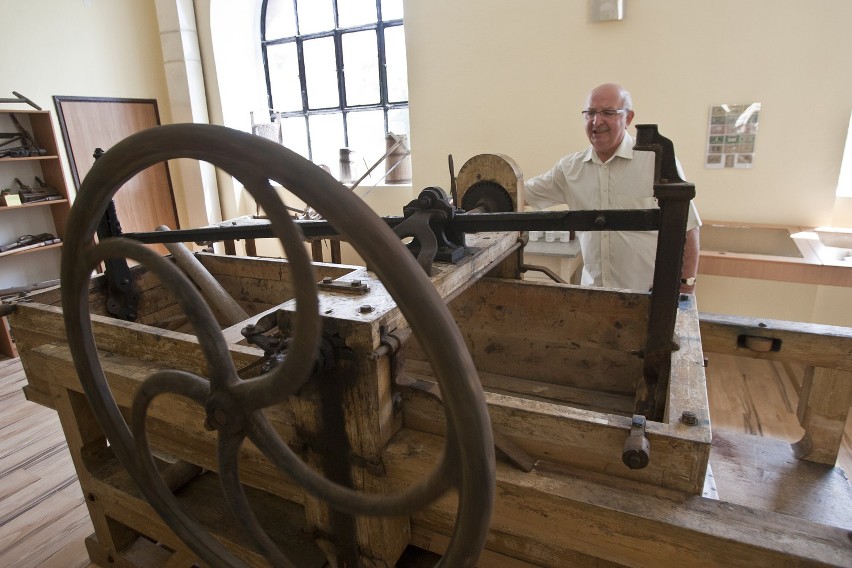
column 689, row 418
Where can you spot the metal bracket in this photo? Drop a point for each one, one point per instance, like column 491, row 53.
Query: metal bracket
column 348, row 287
column 426, row 220
column 637, row 449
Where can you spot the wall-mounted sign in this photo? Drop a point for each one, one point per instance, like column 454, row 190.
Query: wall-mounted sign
column 731, row 135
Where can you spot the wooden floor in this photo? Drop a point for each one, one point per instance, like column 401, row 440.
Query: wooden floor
column 43, row 518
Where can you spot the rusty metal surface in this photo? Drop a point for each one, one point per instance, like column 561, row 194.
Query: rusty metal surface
column 674, row 196
column 233, row 405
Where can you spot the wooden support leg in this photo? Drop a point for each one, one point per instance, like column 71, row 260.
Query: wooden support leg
column 316, row 251
column 89, row 451
column 335, row 251
column 823, row 409
column 251, row 247
column 7, row 345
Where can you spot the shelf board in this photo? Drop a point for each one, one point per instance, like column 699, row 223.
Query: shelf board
column 28, row 158
column 14, row 252
column 36, row 204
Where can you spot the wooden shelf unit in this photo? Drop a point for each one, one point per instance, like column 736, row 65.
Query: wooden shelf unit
column 16, row 266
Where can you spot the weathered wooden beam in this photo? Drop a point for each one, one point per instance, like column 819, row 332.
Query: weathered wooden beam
column 809, row 344
column 556, row 516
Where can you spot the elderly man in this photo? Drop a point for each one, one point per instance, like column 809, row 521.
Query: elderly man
column 610, row 175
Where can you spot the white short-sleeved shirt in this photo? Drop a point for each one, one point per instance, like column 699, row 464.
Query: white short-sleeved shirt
column 614, row 259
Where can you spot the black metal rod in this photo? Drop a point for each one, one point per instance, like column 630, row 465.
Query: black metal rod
column 602, row 220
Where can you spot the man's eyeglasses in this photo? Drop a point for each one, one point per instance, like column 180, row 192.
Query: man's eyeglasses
column 608, row 113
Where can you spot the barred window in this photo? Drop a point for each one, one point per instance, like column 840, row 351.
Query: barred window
column 336, row 75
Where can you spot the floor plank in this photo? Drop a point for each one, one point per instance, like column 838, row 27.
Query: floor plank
column 43, row 517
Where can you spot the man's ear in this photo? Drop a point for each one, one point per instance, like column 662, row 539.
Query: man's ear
column 629, row 117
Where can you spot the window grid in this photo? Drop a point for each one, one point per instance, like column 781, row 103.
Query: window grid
column 337, row 34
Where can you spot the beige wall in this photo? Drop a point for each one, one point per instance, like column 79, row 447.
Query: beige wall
column 96, row 48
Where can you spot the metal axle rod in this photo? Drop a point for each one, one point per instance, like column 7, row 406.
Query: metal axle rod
column 600, row 220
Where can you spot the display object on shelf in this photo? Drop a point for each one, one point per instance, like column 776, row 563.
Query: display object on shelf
column 28, row 146
column 9, row 199
column 43, row 192
column 26, row 242
column 35, row 198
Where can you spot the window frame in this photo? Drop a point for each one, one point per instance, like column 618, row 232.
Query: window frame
column 337, row 34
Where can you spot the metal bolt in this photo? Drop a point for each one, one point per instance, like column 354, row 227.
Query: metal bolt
column 355, row 283
column 365, row 309
column 220, row 416
column 634, row 461
column 688, row 417
column 327, row 280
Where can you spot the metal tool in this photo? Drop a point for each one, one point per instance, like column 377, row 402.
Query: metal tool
column 29, row 147
column 637, row 449
column 19, row 98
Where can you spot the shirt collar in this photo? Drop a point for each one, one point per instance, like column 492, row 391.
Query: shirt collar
column 624, row 150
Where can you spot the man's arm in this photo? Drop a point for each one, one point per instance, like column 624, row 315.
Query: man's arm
column 690, row 260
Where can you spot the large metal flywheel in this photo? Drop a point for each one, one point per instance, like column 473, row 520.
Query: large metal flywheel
column 233, row 406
